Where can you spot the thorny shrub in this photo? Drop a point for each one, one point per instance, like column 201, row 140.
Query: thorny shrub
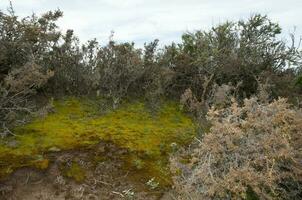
column 251, row 151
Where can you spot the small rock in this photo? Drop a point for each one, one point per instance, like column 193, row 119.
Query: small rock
column 54, row 149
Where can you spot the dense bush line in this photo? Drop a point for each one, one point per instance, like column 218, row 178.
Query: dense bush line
column 239, row 54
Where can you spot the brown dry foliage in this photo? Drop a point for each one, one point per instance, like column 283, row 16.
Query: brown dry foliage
column 190, row 102
column 252, row 150
column 213, row 95
column 30, row 76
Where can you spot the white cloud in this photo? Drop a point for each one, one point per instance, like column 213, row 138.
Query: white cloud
column 139, row 21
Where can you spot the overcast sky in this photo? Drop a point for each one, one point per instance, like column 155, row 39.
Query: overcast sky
column 144, row 20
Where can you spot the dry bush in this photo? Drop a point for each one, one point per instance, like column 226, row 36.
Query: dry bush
column 264, row 89
column 19, row 85
column 28, row 77
column 250, row 151
column 221, row 95
column 190, row 102
column 197, row 106
column 212, row 95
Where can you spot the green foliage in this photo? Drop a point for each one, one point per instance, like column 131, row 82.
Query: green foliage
column 118, row 67
column 299, row 81
column 234, row 52
column 75, row 171
column 23, row 40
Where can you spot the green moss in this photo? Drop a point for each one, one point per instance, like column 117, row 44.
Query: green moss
column 76, row 123
column 138, row 163
column 75, row 171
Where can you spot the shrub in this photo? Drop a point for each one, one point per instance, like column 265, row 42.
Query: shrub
column 27, row 78
column 26, row 39
column 118, row 67
column 234, row 52
column 15, row 92
column 253, row 150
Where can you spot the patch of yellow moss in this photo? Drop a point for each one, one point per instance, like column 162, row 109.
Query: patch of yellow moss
column 76, row 123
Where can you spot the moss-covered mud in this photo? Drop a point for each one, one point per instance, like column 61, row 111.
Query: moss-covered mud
column 76, row 123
